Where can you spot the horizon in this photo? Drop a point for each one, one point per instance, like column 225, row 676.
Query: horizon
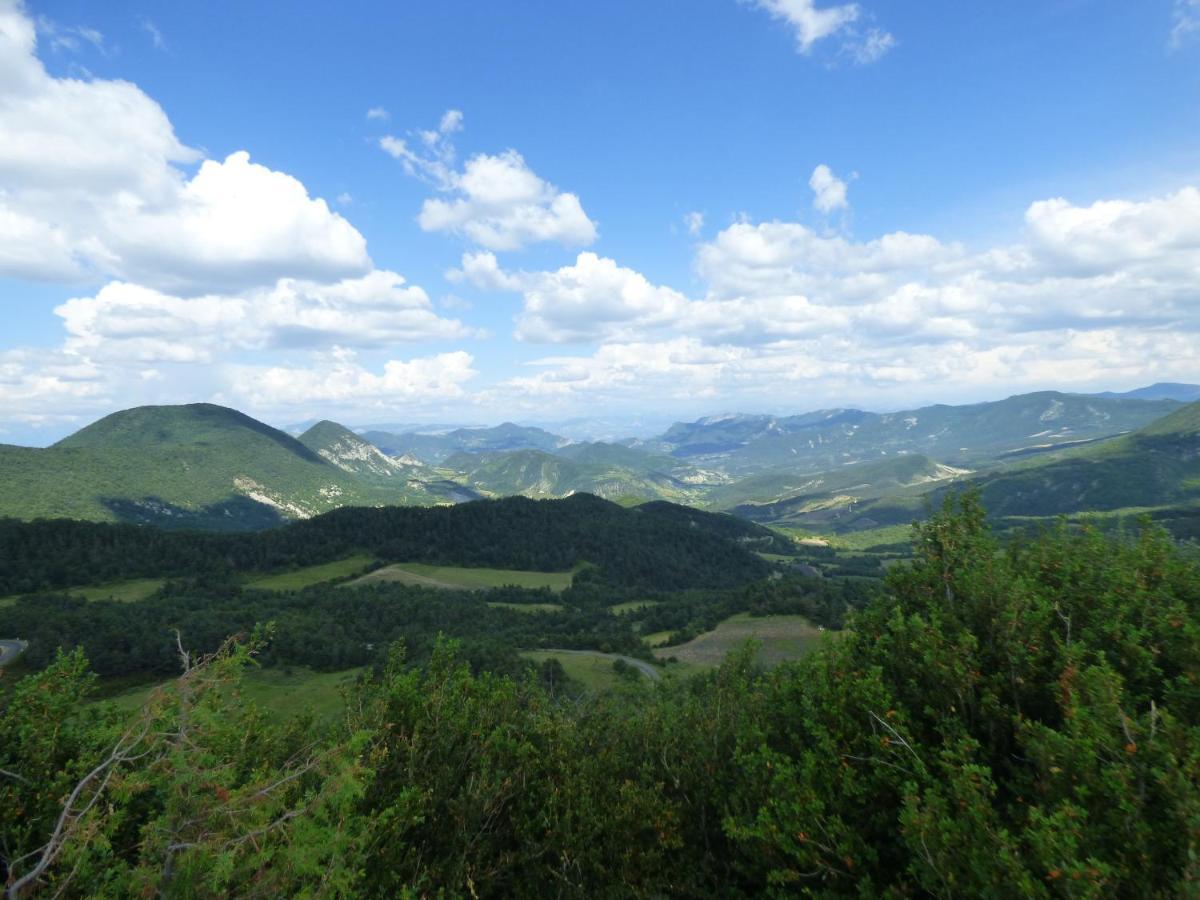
column 579, row 429
column 764, row 207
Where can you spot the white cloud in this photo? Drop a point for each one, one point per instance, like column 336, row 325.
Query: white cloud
column 338, row 378
column 694, row 222
column 378, row 113
column 871, row 47
column 132, row 323
column 156, row 35
column 592, row 299
column 495, row 201
column 1091, row 294
column 829, row 191
column 812, row 24
column 345, row 199
column 1185, row 22
column 92, row 169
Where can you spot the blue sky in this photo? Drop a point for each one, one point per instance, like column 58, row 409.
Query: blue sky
column 541, row 211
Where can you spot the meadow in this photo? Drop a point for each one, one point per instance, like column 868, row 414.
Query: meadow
column 458, row 578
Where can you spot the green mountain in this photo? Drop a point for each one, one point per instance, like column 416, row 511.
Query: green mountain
column 956, row 435
column 533, row 473
column 839, row 498
column 1159, row 465
column 436, row 448
column 195, row 466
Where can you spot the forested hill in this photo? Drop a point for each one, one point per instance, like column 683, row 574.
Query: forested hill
column 656, row 545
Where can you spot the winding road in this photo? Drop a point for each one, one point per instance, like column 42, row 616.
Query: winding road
column 10, row 650
column 640, row 664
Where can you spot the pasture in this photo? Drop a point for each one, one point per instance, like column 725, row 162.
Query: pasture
column 591, row 668
column 458, row 578
column 309, row 575
column 781, row 638
column 129, row 591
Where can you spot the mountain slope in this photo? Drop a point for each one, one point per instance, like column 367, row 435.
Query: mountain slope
column 533, row 473
column 196, row 466
column 957, row 435
column 1159, row 465
column 435, row 448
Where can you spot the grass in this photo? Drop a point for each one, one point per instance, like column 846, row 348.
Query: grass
column 657, row 638
column 593, row 672
column 781, row 638
column 130, row 591
column 528, row 607
column 777, row 557
column 309, row 575
column 632, row 606
column 281, row 692
column 469, row 579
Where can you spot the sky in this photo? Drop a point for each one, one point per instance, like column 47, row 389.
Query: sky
column 635, row 212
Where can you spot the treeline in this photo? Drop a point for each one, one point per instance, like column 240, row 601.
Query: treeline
column 1003, row 721
column 330, row 627
column 658, row 545
column 324, row 627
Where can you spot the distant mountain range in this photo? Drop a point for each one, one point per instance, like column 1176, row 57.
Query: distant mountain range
column 204, row 466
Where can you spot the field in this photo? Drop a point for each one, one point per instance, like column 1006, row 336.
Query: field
column 458, row 578
column 129, row 591
column 592, row 669
column 781, row 638
column 310, row 575
column 657, row 638
column 280, row 691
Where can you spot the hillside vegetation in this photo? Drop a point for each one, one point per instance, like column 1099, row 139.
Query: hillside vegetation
column 1003, row 720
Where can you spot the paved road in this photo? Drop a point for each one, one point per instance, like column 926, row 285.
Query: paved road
column 640, row 664
column 10, row 650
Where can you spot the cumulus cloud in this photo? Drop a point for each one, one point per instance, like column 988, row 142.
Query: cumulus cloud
column 694, row 222
column 338, row 378
column 592, row 299
column 92, row 184
column 1089, row 293
column 812, row 24
column 133, row 323
column 378, row 114
column 495, row 201
column 829, row 191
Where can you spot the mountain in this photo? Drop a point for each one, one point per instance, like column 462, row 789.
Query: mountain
column 1158, row 465
column 1163, row 390
column 776, row 495
column 194, row 466
column 435, row 448
column 956, row 435
column 534, row 473
column 343, row 448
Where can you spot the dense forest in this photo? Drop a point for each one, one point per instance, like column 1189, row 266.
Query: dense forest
column 657, row 544
column 1004, row 719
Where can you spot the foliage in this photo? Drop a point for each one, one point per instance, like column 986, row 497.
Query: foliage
column 1003, row 720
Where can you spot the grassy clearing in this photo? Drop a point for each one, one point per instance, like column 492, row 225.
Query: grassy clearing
column 632, row 606
column 657, row 638
column 282, row 692
column 593, row 672
column 130, row 591
column 459, row 579
column 777, row 557
column 781, row 638
column 310, row 575
column 528, row 607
